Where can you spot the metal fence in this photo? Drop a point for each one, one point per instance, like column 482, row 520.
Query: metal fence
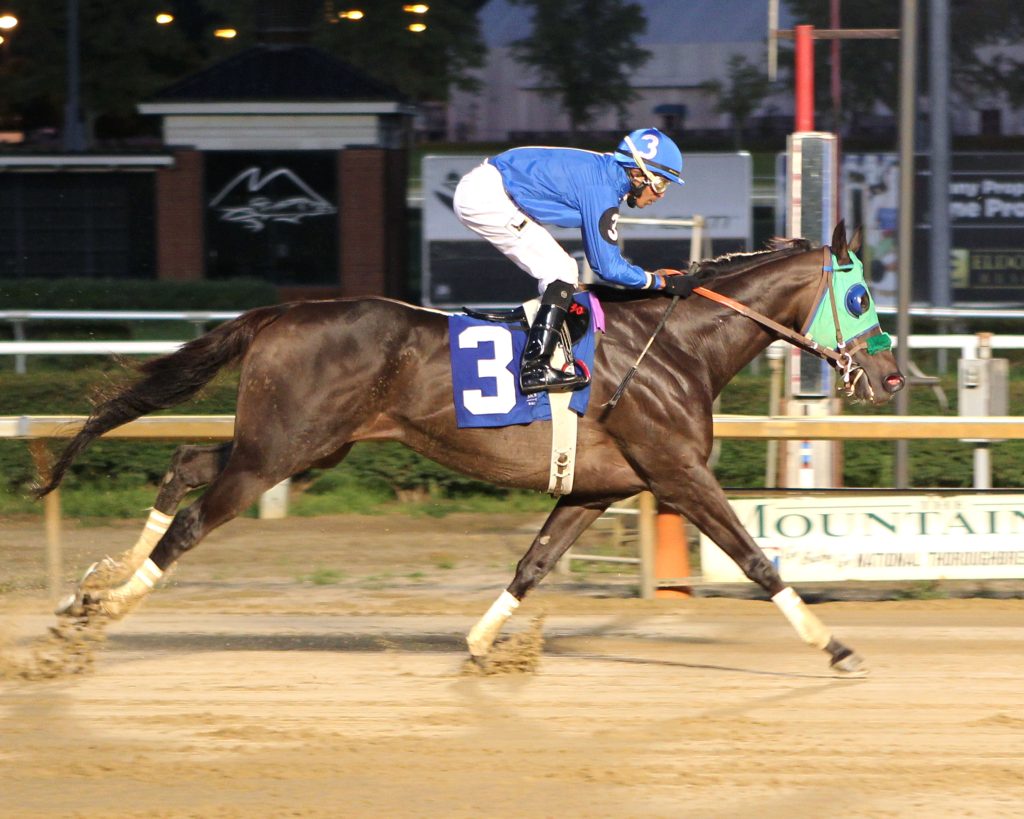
column 19, row 319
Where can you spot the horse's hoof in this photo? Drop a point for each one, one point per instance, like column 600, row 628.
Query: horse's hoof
column 475, row 666
column 851, row 666
column 78, row 605
column 70, row 606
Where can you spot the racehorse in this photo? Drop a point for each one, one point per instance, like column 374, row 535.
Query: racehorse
column 318, row 376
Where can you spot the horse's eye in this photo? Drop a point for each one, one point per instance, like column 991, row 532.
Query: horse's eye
column 857, row 300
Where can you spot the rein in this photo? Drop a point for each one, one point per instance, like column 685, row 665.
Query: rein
column 841, row 358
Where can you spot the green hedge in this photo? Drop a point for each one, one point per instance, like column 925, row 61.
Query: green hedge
column 394, row 471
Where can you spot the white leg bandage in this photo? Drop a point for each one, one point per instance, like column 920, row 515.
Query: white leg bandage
column 807, row 625
column 156, row 524
column 118, row 601
column 483, row 634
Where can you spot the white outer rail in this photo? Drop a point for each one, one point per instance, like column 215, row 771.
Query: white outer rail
column 18, row 319
column 967, row 344
column 88, row 347
column 118, row 315
column 993, row 312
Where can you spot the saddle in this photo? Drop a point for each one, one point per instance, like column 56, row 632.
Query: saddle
column 577, row 321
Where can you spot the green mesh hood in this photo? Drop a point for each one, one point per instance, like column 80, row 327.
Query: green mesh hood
column 854, row 305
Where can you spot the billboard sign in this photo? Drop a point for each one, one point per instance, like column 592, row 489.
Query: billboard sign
column 986, row 210
column 272, row 214
column 905, row 537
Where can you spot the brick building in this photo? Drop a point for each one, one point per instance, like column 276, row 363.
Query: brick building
column 281, row 163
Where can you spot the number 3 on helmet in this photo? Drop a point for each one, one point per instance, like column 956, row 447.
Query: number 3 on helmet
column 655, row 154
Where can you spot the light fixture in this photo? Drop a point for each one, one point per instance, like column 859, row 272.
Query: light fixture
column 163, row 18
column 354, row 14
column 416, row 8
column 417, row 27
column 225, row 33
column 8, row 21
column 2, row 40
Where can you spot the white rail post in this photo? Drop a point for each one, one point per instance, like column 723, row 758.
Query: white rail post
column 775, row 354
column 647, row 527
column 982, row 450
column 52, row 520
column 697, row 239
column 20, row 366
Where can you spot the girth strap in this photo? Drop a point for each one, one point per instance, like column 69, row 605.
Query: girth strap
column 564, row 424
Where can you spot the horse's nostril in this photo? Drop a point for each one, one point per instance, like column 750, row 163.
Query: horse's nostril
column 894, row 382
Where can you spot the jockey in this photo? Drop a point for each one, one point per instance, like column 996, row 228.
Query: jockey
column 509, row 197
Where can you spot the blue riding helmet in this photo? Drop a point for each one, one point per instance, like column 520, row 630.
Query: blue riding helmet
column 655, row 154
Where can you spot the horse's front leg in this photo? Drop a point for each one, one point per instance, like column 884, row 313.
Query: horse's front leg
column 697, row 495
column 567, row 521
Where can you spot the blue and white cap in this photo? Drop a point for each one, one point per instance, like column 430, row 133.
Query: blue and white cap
column 653, row 153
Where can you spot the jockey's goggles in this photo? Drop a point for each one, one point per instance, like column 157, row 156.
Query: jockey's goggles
column 658, row 184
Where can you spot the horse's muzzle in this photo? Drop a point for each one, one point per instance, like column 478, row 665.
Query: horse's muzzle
column 893, row 383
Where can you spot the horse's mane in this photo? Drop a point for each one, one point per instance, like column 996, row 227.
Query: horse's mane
column 778, row 248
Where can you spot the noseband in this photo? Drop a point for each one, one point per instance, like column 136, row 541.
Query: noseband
column 841, row 358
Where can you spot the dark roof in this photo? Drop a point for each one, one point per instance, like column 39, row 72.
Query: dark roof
column 278, row 73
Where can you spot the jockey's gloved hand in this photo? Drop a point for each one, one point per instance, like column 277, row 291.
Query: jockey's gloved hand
column 674, row 282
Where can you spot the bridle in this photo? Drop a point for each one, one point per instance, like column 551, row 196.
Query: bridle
column 841, row 358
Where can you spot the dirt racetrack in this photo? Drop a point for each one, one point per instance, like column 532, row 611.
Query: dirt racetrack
column 314, row 668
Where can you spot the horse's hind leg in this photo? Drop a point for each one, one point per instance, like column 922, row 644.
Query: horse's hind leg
column 232, row 491
column 191, row 466
column 564, row 525
column 247, row 475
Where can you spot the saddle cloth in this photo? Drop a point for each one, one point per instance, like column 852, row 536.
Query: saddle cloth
column 485, row 359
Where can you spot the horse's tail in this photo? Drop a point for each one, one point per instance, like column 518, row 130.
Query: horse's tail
column 166, row 382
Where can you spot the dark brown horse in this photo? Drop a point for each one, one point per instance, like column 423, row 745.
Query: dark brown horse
column 317, row 377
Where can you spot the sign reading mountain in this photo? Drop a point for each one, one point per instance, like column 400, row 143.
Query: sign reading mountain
column 251, row 199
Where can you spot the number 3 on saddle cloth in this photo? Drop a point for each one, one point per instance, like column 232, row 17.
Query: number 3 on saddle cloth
column 485, row 366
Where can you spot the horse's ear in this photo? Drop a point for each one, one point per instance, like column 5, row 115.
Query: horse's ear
column 838, row 243
column 855, row 242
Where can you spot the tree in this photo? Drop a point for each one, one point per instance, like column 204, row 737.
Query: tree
column 423, row 66
column 746, row 88
column 124, row 57
column 584, row 51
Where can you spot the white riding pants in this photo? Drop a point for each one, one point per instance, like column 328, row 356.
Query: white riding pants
column 483, row 206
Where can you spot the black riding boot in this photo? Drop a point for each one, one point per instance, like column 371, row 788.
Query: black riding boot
column 536, row 373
